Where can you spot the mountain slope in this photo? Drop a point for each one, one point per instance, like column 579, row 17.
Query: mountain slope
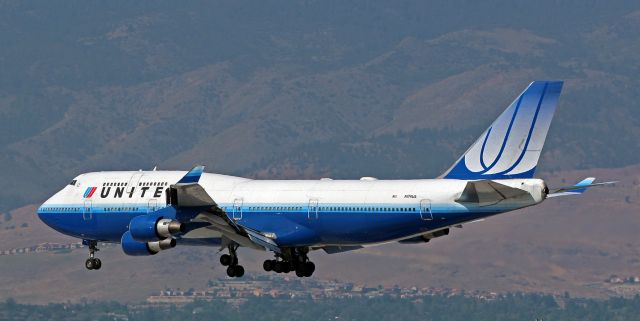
column 267, row 91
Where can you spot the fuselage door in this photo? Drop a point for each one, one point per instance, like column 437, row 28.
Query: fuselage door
column 425, row 210
column 313, row 210
column 153, row 206
column 237, row 209
column 86, row 211
column 133, row 182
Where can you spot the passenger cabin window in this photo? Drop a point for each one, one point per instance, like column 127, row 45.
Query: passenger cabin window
column 73, row 182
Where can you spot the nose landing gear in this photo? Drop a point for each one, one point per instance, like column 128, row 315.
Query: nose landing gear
column 92, row 263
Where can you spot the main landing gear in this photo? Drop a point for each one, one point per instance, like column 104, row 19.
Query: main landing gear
column 231, row 262
column 291, row 260
column 93, row 263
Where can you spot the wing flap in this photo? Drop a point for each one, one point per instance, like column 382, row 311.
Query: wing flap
column 262, row 240
column 229, row 231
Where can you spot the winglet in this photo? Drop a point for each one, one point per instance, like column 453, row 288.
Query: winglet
column 578, row 188
column 193, row 176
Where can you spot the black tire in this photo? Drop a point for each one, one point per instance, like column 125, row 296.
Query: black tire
column 235, row 260
column 301, row 273
column 238, row 271
column 267, row 265
column 277, row 267
column 231, row 271
column 309, row 268
column 286, row 268
column 225, row 259
column 89, row 264
column 97, row 264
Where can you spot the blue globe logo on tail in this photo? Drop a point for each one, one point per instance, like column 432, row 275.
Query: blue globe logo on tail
column 511, row 147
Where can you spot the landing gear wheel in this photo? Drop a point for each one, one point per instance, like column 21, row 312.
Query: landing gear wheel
column 309, row 268
column 238, row 271
column 231, row 271
column 231, row 262
column 235, row 271
column 92, row 263
column 291, row 259
column 89, row 264
column 225, row 259
column 97, row 264
column 278, row 267
column 267, row 265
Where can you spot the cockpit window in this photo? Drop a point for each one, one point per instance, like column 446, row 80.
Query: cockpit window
column 73, row 182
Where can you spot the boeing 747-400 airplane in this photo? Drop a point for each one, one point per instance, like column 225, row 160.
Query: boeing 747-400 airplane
column 149, row 212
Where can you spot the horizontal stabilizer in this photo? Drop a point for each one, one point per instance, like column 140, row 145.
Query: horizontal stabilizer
column 578, row 188
column 486, row 192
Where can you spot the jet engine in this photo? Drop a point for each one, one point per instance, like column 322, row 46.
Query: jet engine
column 132, row 247
column 146, row 228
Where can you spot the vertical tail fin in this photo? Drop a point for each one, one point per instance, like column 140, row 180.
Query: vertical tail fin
column 511, row 147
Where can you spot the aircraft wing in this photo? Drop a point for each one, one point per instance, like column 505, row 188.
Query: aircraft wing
column 487, row 192
column 262, row 239
column 188, row 193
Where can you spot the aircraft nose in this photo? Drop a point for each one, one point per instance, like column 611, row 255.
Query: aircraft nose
column 51, row 217
column 48, row 210
column 46, row 213
column 44, row 216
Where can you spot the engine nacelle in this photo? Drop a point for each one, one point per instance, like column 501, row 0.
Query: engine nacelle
column 135, row 248
column 146, row 228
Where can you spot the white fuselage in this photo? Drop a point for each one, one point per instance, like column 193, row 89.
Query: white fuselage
column 329, row 211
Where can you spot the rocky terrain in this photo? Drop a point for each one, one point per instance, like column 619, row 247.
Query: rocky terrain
column 320, row 89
